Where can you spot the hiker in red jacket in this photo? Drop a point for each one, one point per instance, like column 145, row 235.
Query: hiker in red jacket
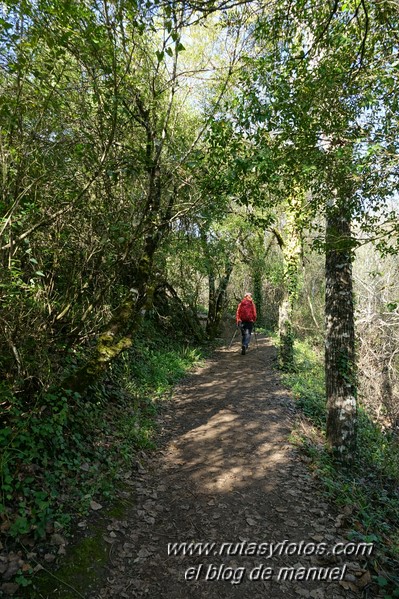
column 245, row 317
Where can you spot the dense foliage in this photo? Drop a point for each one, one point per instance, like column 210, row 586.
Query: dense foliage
column 367, row 492
column 158, row 159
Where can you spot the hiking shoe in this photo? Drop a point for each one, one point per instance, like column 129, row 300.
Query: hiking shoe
column 243, row 350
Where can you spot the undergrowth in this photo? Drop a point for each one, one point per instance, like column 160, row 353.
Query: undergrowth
column 57, row 456
column 370, row 487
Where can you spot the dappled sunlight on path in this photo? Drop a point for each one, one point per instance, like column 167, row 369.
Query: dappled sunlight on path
column 226, row 474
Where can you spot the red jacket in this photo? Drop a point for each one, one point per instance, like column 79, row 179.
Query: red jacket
column 246, row 311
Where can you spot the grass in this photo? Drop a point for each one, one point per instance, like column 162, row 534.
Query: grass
column 370, row 486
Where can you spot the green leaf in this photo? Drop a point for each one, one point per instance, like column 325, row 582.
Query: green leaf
column 5, row 24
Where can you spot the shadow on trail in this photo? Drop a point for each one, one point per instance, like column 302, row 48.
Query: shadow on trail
column 225, row 474
column 231, row 422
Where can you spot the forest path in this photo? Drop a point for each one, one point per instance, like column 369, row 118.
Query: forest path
column 225, row 472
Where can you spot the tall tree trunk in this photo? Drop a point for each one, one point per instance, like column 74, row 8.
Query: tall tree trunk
column 291, row 247
column 340, row 336
column 217, row 302
column 258, row 292
column 286, row 335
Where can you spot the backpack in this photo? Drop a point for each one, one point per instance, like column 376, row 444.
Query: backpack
column 246, row 312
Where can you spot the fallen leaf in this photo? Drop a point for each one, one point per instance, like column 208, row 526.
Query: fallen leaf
column 108, row 540
column 49, row 557
column 37, row 568
column 348, row 586
column 10, row 588
column 251, row 521
column 57, row 539
column 364, row 580
column 340, row 520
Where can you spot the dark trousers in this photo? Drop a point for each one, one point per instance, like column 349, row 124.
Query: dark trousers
column 246, row 332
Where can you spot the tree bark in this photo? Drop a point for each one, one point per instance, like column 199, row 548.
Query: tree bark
column 340, row 337
column 116, row 337
column 291, row 247
column 258, row 293
column 217, row 302
column 286, row 335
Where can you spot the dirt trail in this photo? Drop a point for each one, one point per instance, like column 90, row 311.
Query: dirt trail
column 225, row 473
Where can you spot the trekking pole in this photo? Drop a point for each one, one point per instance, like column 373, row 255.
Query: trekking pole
column 233, row 337
column 256, row 338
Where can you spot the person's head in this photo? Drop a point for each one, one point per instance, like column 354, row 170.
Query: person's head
column 248, row 295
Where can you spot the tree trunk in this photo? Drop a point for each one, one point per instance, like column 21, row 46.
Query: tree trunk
column 115, row 339
column 286, row 348
column 217, row 302
column 258, row 293
column 340, row 337
column 291, row 247
column 118, row 334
